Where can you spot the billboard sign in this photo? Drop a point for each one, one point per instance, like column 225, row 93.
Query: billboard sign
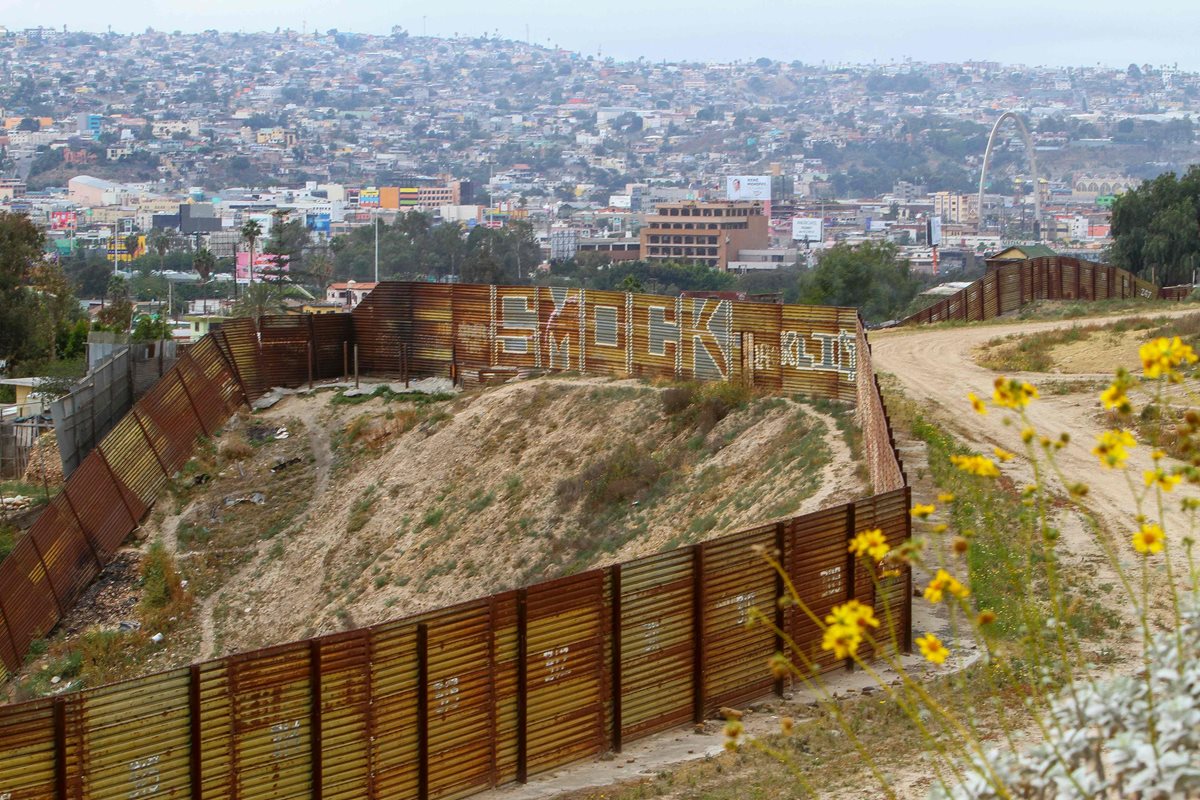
column 62, row 220
column 748, row 187
column 265, row 266
column 318, row 223
column 933, row 231
column 807, row 229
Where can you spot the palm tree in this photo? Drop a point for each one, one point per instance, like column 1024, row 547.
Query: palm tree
column 259, row 300
column 159, row 241
column 204, row 262
column 251, row 230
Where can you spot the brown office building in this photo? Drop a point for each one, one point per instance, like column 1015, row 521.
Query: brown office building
column 708, row 233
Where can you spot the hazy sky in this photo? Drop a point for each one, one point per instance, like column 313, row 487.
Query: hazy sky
column 1113, row 32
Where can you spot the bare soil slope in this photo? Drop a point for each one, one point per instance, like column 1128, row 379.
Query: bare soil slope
column 529, row 481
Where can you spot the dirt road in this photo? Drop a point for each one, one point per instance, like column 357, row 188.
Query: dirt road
column 936, row 369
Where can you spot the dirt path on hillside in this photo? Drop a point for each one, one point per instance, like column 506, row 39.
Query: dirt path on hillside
column 308, row 412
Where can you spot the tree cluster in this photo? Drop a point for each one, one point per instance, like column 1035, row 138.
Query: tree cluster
column 1156, row 228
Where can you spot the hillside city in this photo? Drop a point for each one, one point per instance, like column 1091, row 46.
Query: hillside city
column 120, row 146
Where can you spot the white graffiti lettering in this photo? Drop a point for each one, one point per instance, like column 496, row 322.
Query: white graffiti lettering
column 650, row 635
column 445, row 695
column 144, row 777
column 831, row 581
column 285, row 739
column 743, row 602
column 556, row 663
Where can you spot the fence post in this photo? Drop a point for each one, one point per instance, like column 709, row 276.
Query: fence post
column 345, row 361
column 522, row 687
column 698, row 603
column 908, row 576
column 87, row 537
column 195, row 760
column 60, row 748
column 422, row 711
column 851, row 571
column 355, row 365
column 191, row 402
column 615, row 632
column 53, row 592
column 149, row 442
column 310, row 364
column 9, row 631
column 780, row 588
column 314, row 718
column 120, row 487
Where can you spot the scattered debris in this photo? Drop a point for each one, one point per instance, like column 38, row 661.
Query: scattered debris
column 157, row 638
column 282, row 465
column 260, row 433
column 258, row 498
column 282, row 433
column 201, row 479
column 128, row 625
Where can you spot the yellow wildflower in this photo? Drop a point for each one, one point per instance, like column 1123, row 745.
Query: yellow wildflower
column 1027, row 435
column 932, row 648
column 942, row 583
column 986, row 617
column 1161, row 356
column 1148, row 539
column 1112, row 447
column 1003, row 455
column 787, row 725
column 941, row 527
column 921, row 511
column 976, row 465
column 1165, row 480
column 977, row 404
column 843, row 640
column 945, row 497
column 1012, row 393
column 852, row 614
column 779, row 666
column 1157, row 455
column 871, row 542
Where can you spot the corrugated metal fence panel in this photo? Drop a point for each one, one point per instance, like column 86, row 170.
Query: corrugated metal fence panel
column 128, row 453
column 459, row 700
column 216, row 730
column 394, row 754
column 472, row 327
column 98, row 499
column 817, row 551
column 892, row 596
column 817, row 347
column 345, row 666
column 755, row 353
column 737, row 579
column 241, row 339
column 284, row 341
column 656, row 643
column 564, row 666
column 1008, row 279
column 330, row 332
column 558, row 327
column 167, row 416
column 605, row 341
column 29, row 601
column 382, row 324
column 504, row 683
column 70, row 563
column 432, row 334
column 270, row 695
column 208, row 358
column 135, row 738
column 8, row 650
column 516, row 341
column 27, row 751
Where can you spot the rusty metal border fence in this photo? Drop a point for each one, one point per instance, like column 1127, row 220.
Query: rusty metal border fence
column 1010, row 286
column 450, row 702
column 457, row 700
